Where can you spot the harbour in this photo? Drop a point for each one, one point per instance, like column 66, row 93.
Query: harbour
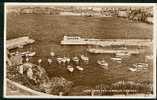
column 79, row 62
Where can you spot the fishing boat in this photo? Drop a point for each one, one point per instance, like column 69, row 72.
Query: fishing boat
column 139, row 67
column 123, row 54
column 76, row 59
column 84, row 58
column 142, row 65
column 117, row 59
column 79, row 68
column 59, row 60
column 49, row 61
column 26, row 53
column 64, row 60
column 67, row 59
column 70, row 68
column 31, row 54
column 133, row 69
column 52, row 54
column 103, row 63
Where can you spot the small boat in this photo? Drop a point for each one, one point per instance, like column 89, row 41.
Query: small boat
column 24, row 53
column 139, row 67
column 27, row 59
column 84, row 58
column 122, row 54
column 75, row 59
column 70, row 68
column 133, row 69
column 52, row 54
column 31, row 54
column 39, row 61
column 66, row 59
column 79, row 68
column 28, row 53
column 49, row 61
column 102, row 62
column 117, row 59
column 59, row 60
column 148, row 57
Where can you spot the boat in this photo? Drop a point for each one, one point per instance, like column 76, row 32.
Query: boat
column 31, row 54
column 142, row 65
column 49, row 61
column 103, row 63
column 66, row 59
column 59, row 60
column 79, row 68
column 123, row 54
column 75, row 59
column 70, row 68
column 133, row 69
column 139, row 67
column 52, row 54
column 117, row 59
column 26, row 53
column 39, row 61
column 84, row 58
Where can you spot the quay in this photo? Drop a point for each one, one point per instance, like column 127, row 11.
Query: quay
column 75, row 40
column 18, row 42
column 112, row 51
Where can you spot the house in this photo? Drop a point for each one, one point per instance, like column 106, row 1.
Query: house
column 122, row 14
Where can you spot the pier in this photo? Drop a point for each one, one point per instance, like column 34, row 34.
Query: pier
column 109, row 51
column 75, row 40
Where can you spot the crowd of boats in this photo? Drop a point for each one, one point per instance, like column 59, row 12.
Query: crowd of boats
column 120, row 54
column 60, row 60
column 74, row 62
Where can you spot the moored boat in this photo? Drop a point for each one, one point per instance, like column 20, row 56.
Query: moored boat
column 79, row 68
column 122, row 54
column 102, row 62
column 117, row 59
column 31, row 54
column 76, row 59
column 52, row 54
column 26, row 53
column 49, row 60
column 59, row 60
column 66, row 59
column 70, row 68
column 84, row 58
column 139, row 67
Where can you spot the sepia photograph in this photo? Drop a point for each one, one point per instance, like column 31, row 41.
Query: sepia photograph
column 79, row 50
